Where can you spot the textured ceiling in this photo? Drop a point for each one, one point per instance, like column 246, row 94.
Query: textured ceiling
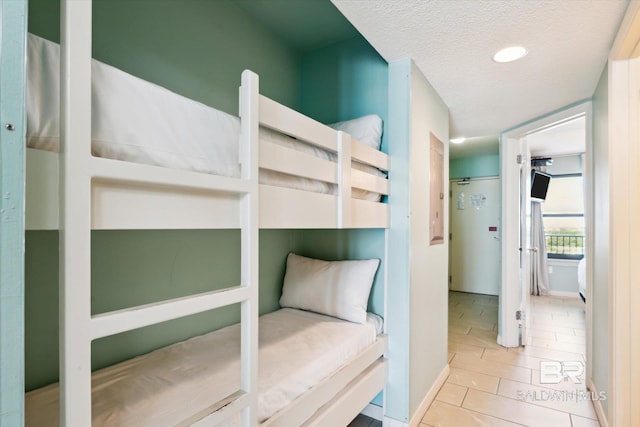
column 453, row 41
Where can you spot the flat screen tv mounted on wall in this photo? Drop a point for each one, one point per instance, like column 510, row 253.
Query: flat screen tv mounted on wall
column 539, row 185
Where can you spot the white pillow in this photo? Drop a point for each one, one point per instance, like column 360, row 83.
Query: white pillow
column 335, row 288
column 366, row 129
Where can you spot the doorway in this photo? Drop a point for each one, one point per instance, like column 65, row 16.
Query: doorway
column 516, row 144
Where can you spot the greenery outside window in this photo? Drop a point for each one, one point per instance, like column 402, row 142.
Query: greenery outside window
column 563, row 216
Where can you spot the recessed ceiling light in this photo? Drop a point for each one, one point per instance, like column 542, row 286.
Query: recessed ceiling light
column 509, row 54
column 458, row 140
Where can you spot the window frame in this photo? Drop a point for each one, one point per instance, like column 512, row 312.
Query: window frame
column 567, row 215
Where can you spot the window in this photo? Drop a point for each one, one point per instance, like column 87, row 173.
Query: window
column 563, row 216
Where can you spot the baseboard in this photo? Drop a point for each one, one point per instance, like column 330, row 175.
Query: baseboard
column 597, row 404
column 430, row 396
column 373, row 411
column 566, row 294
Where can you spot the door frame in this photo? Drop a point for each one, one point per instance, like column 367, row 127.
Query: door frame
column 624, row 225
column 509, row 302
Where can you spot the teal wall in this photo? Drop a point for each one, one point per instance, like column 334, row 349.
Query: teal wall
column 217, row 41
column 418, row 286
column 12, row 89
column 475, row 167
column 340, row 82
column 344, row 81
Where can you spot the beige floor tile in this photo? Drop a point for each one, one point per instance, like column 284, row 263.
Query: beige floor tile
column 551, row 327
column 489, row 367
column 541, row 315
column 558, row 345
column 474, row 340
column 514, row 410
column 444, row 415
column 576, row 339
column 546, row 353
column 450, row 357
column 474, row 380
column 513, row 358
column 478, row 324
column 541, row 333
column 459, row 329
column 574, row 401
column 452, row 394
column 583, row 422
column 467, row 309
column 567, row 385
column 555, row 324
column 491, row 336
column 474, row 350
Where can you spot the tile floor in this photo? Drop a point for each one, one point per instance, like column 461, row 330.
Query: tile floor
column 490, row 385
column 493, row 386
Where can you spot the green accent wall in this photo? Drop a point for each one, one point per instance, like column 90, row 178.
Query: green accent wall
column 475, row 167
column 218, row 40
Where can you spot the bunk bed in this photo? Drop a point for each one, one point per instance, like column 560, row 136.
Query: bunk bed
column 71, row 189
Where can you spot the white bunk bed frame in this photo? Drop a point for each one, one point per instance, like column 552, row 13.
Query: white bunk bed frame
column 93, row 193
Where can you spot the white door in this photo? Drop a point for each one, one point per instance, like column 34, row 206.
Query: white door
column 475, row 236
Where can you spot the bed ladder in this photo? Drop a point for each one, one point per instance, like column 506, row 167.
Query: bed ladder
column 78, row 169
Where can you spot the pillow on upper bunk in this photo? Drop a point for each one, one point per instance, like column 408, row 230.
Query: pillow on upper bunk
column 335, row 288
column 366, row 129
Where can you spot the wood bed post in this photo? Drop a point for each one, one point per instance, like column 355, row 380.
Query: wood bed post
column 344, row 180
column 249, row 157
column 75, row 214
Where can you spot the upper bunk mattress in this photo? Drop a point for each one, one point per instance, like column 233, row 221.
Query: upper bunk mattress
column 298, row 349
column 137, row 121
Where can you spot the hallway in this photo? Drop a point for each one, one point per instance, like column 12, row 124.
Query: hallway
column 492, row 386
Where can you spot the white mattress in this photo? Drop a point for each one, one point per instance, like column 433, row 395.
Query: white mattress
column 138, row 121
column 297, row 350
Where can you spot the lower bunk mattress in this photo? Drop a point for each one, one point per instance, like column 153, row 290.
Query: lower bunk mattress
column 298, row 349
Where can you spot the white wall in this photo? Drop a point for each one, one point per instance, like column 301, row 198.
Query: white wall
column 417, row 294
column 600, row 265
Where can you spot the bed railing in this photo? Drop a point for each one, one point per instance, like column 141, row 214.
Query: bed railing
column 341, row 212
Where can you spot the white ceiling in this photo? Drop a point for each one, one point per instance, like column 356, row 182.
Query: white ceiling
column 453, row 41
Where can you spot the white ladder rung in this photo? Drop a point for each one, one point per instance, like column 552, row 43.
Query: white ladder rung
column 117, row 170
column 114, row 322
